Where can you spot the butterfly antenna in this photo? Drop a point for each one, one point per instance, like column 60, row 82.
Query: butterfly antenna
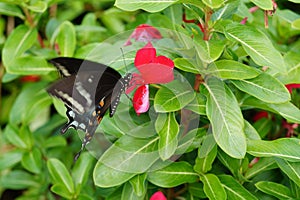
column 123, row 59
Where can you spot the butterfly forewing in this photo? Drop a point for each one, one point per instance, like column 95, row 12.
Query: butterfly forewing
column 88, row 90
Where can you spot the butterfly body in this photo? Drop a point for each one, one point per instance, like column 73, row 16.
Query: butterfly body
column 88, row 90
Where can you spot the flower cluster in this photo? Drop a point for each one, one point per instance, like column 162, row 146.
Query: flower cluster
column 152, row 69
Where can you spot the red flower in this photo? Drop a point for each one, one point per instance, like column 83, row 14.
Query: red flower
column 30, row 78
column 292, row 86
column 153, row 69
column 259, row 115
column 144, row 33
column 158, row 196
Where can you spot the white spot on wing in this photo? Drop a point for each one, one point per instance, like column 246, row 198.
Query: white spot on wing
column 83, row 93
column 66, row 96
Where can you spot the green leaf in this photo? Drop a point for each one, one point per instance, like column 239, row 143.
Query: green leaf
column 206, row 155
column 232, row 164
column 127, row 151
column 106, row 177
column 296, row 24
column 18, row 180
column 213, row 3
column 82, row 169
column 66, row 39
column 9, row 159
column 167, row 128
column 128, row 193
column 139, row 184
column 291, row 169
column 285, row 148
column 55, row 141
column 11, row 10
column 251, row 132
column 198, row 105
column 20, row 39
column 262, row 165
column 226, row 118
column 32, row 99
column 234, row 189
column 12, row 134
column 37, row 6
column 147, row 5
column 213, row 187
column 173, row 175
column 287, row 110
column 275, row 189
column 61, row 190
column 173, row 96
column 208, row 51
column 60, row 174
column 229, row 69
column 265, row 5
column 264, row 87
column 185, row 65
column 257, row 45
column 32, row 161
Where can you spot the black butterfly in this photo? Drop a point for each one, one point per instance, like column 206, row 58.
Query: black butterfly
column 88, row 89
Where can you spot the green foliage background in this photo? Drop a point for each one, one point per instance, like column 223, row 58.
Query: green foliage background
column 219, row 157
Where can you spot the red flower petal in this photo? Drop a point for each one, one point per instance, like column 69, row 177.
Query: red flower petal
column 292, row 86
column 156, row 73
column 158, row 196
column 260, row 115
column 144, row 33
column 164, row 60
column 141, row 99
column 145, row 55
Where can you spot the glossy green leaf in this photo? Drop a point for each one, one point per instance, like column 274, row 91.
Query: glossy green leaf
column 185, row 65
column 139, row 184
column 287, row 110
column 167, row 128
column 234, row 189
column 213, row 187
column 275, row 189
column 262, row 165
column 226, row 118
column 11, row 10
column 82, row 170
column 213, row 3
column 9, row 159
column 32, row 161
column 296, row 24
column 61, row 190
column 291, row 169
column 251, row 132
column 257, row 45
column 129, row 193
column 196, row 189
column 173, row 175
column 173, row 96
column 21, row 39
column 18, row 180
column 60, row 174
column 198, row 105
column 232, row 164
column 55, row 141
column 37, row 6
column 12, row 134
column 127, row 151
column 147, row 5
column 108, row 177
column 66, row 39
column 285, row 148
column 208, row 51
column 205, row 159
column 29, row 103
column 229, row 69
column 265, row 5
column 264, row 87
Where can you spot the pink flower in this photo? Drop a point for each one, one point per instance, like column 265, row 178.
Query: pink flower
column 153, row 69
column 144, row 33
column 158, row 196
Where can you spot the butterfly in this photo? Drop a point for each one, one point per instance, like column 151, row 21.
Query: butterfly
column 88, row 90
